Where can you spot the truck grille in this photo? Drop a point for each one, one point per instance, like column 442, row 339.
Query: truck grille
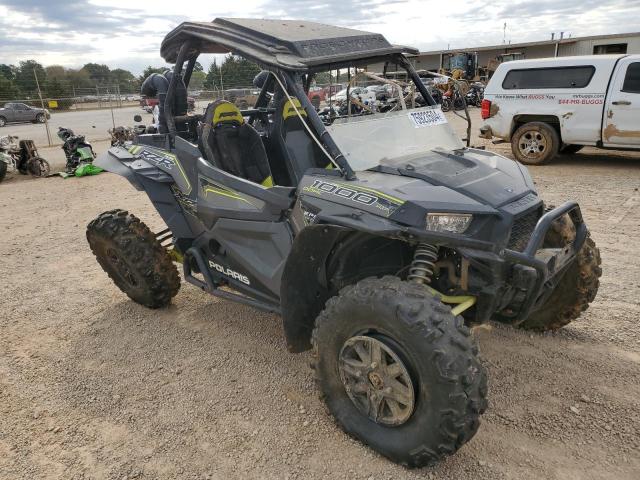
column 522, row 229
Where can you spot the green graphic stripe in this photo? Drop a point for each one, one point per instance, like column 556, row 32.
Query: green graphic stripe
column 226, row 193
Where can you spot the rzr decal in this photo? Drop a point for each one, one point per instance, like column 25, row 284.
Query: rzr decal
column 163, row 160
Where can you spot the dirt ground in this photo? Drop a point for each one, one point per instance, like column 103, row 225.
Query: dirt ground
column 93, row 385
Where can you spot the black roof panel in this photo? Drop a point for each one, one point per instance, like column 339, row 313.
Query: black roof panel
column 288, row 44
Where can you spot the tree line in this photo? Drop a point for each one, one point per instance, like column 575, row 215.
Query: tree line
column 18, row 82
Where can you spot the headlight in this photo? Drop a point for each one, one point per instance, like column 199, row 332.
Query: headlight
column 448, row 222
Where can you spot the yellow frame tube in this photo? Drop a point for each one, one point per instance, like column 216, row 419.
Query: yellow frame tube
column 463, row 302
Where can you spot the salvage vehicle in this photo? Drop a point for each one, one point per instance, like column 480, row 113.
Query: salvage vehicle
column 380, row 239
column 76, row 149
column 21, row 156
column 21, row 112
column 559, row 105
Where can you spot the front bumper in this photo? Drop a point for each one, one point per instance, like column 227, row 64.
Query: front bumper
column 485, row 132
column 531, row 275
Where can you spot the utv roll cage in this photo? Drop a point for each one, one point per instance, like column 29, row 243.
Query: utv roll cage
column 292, row 50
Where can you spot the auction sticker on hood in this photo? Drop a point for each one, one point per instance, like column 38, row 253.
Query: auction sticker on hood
column 427, row 118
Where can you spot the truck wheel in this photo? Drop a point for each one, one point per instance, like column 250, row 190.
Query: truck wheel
column 398, row 371
column 3, row 121
column 571, row 149
column 3, row 170
column 578, row 286
column 132, row 257
column 535, row 143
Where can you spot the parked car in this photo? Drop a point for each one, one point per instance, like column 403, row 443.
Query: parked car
column 316, row 95
column 21, row 112
column 558, row 105
column 360, row 92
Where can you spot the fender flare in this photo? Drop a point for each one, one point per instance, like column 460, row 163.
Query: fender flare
column 304, row 288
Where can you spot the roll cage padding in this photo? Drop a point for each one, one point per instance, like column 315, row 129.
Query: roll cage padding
column 157, row 85
column 232, row 145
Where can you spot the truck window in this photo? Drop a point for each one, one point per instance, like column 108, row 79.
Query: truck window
column 632, row 78
column 551, row 77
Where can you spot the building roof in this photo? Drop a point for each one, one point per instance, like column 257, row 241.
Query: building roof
column 288, row 44
column 512, row 46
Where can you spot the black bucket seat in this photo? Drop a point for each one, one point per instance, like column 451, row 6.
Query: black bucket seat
column 232, row 145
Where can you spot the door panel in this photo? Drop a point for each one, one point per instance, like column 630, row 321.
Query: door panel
column 621, row 126
column 10, row 113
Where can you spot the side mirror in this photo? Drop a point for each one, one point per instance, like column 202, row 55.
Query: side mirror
column 137, row 118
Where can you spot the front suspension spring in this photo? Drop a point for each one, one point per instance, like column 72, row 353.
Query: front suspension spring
column 424, row 259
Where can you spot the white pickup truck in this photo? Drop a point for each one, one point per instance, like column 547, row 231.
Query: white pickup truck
column 558, row 105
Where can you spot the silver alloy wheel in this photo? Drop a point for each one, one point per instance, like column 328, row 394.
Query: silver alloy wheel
column 532, row 144
column 376, row 380
column 3, row 122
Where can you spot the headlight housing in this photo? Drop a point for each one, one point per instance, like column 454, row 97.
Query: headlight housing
column 448, row 222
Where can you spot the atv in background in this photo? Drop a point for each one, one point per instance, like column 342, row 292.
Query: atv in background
column 21, row 156
column 77, row 150
column 380, row 238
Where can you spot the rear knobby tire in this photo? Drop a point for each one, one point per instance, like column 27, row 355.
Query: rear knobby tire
column 578, row 286
column 535, row 143
column 449, row 383
column 133, row 258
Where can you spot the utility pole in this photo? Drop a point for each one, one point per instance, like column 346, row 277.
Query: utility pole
column 46, row 120
column 113, row 120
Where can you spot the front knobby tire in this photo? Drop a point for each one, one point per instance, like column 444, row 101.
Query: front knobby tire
column 3, row 170
column 133, row 258
column 578, row 286
column 427, row 343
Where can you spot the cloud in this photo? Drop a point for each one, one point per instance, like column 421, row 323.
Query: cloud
column 121, row 33
column 336, row 12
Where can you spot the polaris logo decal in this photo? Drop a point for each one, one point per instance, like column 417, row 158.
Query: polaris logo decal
column 227, row 272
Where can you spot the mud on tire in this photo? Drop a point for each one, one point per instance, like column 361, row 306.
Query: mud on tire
column 132, row 257
column 578, row 286
column 449, row 383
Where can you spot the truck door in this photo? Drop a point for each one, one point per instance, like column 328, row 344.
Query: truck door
column 621, row 125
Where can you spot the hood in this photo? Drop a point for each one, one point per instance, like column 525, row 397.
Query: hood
column 481, row 176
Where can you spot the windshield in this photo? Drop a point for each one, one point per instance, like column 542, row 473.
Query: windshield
column 386, row 138
column 386, row 120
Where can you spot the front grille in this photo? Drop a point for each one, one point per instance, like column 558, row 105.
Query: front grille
column 522, row 229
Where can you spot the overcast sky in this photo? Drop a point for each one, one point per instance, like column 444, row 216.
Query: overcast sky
column 120, row 34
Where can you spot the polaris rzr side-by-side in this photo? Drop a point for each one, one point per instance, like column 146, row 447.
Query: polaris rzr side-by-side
column 379, row 237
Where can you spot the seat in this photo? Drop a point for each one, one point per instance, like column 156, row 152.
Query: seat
column 232, row 145
column 298, row 148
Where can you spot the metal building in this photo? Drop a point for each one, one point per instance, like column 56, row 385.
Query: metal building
column 481, row 61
